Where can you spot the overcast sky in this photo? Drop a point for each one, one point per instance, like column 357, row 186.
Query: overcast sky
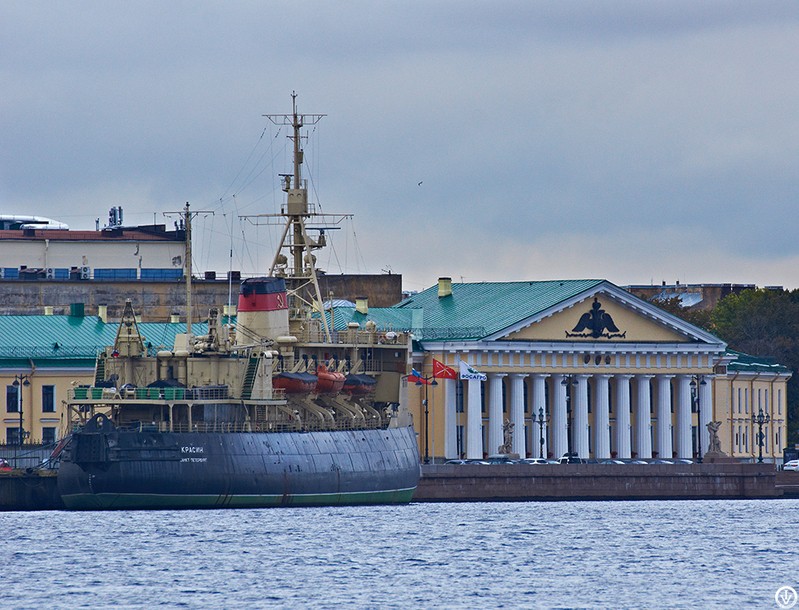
column 633, row 141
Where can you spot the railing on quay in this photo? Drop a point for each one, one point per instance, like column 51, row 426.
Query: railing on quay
column 27, row 455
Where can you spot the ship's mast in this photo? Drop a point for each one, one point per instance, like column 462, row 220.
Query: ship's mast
column 297, row 216
column 185, row 220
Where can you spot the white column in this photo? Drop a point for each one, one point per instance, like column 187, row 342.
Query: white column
column 705, row 411
column 517, row 414
column 580, row 408
column 539, row 395
column 495, row 419
column 664, row 446
column 601, row 417
column 450, row 419
column 643, row 417
column 623, row 429
column 559, row 425
column 684, row 440
column 474, row 421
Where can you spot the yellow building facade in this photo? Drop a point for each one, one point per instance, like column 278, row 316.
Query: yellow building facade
column 589, row 369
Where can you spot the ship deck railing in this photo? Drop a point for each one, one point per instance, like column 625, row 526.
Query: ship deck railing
column 355, row 337
column 210, row 394
column 372, row 365
column 248, row 427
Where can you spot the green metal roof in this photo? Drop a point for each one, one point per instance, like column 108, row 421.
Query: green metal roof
column 745, row 363
column 478, row 310
column 386, row 318
column 68, row 339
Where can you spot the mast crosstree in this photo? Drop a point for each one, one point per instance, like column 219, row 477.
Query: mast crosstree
column 298, row 217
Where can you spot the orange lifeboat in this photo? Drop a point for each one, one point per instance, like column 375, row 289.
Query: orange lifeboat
column 328, row 382
column 295, row 383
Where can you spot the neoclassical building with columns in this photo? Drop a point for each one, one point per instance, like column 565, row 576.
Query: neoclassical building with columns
column 578, row 366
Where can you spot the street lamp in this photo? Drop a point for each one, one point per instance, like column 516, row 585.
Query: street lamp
column 24, row 380
column 567, row 381
column 698, row 407
column 540, row 421
column 425, row 381
column 760, row 419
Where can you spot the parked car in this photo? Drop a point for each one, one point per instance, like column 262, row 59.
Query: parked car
column 570, row 458
column 500, row 459
column 612, row 461
column 633, row 461
column 792, row 465
column 534, row 461
column 659, row 461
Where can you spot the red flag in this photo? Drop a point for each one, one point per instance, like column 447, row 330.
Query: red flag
column 442, row 371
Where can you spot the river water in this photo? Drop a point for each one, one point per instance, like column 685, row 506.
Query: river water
column 653, row 554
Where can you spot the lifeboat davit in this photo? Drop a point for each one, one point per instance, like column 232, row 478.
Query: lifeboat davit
column 295, row 383
column 359, row 384
column 328, row 382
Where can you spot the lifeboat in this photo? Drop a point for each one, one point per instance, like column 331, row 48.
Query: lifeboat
column 295, row 383
column 328, row 382
column 359, row 384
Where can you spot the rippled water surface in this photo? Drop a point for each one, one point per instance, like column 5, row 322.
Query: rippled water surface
column 694, row 554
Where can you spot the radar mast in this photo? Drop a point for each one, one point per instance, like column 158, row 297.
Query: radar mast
column 298, row 217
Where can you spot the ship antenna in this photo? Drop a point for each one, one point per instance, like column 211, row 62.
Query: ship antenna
column 297, row 217
column 186, row 216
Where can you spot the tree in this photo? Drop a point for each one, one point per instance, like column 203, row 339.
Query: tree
column 764, row 323
column 697, row 317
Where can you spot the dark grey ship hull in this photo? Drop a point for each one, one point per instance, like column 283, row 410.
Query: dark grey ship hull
column 106, row 468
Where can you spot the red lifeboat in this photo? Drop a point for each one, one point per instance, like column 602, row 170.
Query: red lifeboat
column 328, row 382
column 295, row 383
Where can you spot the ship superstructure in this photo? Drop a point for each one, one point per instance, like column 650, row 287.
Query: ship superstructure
column 276, row 408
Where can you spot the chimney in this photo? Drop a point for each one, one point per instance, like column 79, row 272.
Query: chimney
column 48, row 310
column 362, row 305
column 174, row 318
column 102, row 313
column 444, row 287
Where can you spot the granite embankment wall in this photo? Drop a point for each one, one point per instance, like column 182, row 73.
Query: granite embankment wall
column 37, row 490
column 515, row 482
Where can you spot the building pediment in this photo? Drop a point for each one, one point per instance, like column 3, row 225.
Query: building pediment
column 605, row 315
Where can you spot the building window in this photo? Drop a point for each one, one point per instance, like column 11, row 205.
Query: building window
column 12, row 399
column 12, row 436
column 48, row 399
column 48, row 435
column 459, row 397
column 459, row 442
